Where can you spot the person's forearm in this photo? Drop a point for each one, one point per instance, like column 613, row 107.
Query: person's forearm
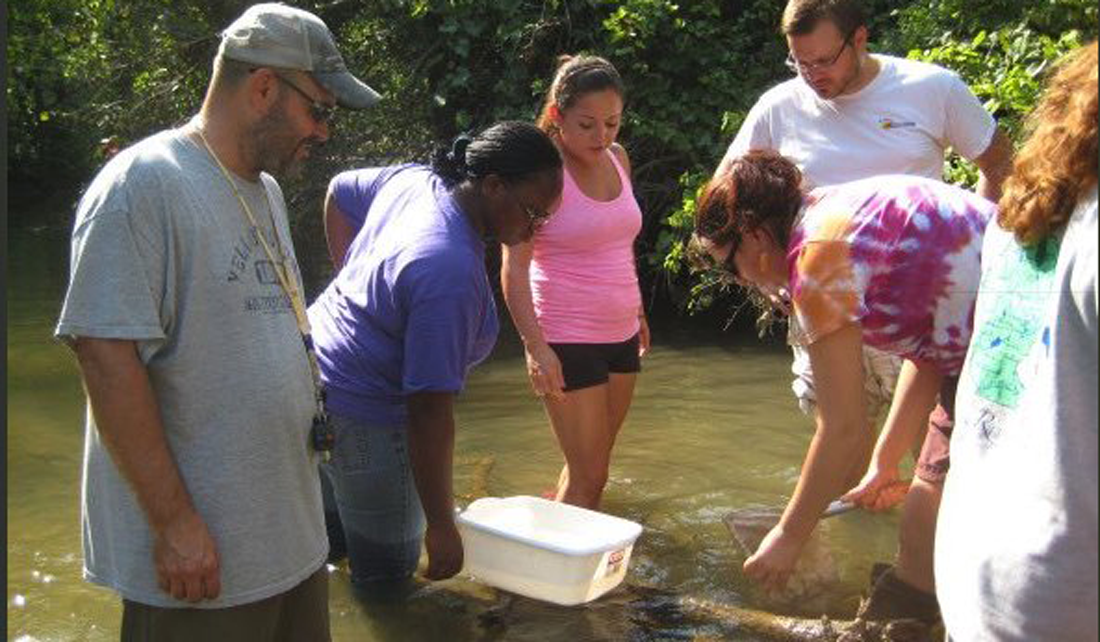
column 516, row 287
column 128, row 418
column 914, row 398
column 994, row 166
column 431, row 434
column 825, row 471
column 841, row 436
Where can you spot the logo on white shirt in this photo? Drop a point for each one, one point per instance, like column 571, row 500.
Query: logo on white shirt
column 890, row 123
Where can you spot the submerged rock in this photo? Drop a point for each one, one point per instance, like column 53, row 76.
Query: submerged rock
column 642, row 613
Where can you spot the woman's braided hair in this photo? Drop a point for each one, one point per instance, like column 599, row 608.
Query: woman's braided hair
column 513, row 150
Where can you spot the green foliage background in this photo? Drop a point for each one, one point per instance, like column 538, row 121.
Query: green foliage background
column 81, row 71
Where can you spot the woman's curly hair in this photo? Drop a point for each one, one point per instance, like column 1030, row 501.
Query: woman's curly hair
column 1059, row 160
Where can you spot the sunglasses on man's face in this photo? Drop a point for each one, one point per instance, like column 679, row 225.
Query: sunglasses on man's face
column 318, row 111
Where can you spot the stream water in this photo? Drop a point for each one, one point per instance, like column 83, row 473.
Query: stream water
column 713, row 428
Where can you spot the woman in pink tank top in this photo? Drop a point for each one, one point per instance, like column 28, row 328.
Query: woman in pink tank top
column 573, row 290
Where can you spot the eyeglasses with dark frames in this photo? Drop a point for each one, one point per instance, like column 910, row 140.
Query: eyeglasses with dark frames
column 699, row 253
column 318, row 111
column 728, row 266
column 804, row 68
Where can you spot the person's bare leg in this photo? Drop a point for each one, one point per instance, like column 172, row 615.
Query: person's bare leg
column 906, row 591
column 620, row 393
column 580, row 424
column 917, row 534
column 563, row 480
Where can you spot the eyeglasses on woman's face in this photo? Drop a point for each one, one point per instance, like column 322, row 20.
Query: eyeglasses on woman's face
column 804, row 68
column 536, row 216
column 724, row 269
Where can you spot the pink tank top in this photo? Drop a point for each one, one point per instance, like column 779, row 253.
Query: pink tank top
column 583, row 280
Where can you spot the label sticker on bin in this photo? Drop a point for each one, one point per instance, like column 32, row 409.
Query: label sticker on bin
column 614, row 561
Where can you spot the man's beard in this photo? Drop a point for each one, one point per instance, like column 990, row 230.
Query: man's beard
column 274, row 146
column 852, row 79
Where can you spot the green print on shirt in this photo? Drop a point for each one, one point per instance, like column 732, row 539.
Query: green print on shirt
column 1013, row 309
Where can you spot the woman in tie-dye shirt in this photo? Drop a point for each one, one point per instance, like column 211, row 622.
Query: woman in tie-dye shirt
column 891, row 261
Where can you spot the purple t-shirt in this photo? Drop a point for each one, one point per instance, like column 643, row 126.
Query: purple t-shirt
column 412, row 309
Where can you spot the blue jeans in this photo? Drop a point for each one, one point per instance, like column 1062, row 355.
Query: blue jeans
column 372, row 509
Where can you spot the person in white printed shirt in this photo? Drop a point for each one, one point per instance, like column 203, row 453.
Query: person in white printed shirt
column 1016, row 556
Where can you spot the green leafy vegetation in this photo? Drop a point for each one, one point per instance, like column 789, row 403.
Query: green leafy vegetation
column 81, row 73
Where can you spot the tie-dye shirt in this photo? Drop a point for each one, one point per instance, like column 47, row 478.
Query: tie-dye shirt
column 900, row 255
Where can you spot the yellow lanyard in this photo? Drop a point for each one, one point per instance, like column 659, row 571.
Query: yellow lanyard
column 291, row 289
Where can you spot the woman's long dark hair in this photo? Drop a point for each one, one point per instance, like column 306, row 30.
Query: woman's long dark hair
column 576, row 77
column 512, row 149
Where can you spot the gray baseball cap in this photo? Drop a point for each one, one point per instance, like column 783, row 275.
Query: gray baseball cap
column 276, row 35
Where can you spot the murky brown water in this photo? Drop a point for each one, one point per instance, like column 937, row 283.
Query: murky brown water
column 713, row 428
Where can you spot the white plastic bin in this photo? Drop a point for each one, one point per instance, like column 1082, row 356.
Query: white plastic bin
column 544, row 549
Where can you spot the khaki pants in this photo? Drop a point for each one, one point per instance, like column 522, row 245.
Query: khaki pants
column 298, row 614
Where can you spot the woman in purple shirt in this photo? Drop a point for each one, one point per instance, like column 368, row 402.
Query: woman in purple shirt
column 408, row 314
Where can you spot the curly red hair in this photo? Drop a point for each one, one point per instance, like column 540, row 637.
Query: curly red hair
column 1059, row 160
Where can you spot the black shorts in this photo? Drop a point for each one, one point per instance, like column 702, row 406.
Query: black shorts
column 588, row 364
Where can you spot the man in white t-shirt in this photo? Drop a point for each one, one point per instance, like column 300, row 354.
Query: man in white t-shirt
column 850, row 114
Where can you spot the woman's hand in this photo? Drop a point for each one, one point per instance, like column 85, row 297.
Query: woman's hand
column 444, row 547
column 544, row 370
column 643, row 335
column 879, row 489
column 773, row 562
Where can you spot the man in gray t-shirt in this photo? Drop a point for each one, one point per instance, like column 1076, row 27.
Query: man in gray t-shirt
column 201, row 498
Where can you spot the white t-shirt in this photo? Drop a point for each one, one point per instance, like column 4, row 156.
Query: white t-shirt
column 1016, row 556
column 900, row 123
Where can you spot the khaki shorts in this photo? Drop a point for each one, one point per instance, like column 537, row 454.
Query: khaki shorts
column 880, row 376
column 298, row 614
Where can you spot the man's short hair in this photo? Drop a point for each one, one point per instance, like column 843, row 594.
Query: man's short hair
column 228, row 74
column 802, row 16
